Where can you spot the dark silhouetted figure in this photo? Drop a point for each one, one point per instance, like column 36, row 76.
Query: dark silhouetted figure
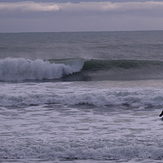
column 161, row 114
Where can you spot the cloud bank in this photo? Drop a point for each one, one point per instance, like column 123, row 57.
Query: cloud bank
column 103, row 7
column 46, row 16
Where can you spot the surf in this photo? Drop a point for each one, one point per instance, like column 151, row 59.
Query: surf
column 78, row 69
column 20, row 69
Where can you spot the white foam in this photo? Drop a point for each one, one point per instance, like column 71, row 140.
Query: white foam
column 17, row 69
column 51, row 132
column 71, row 94
column 95, row 150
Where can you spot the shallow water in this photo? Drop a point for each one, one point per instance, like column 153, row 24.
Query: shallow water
column 67, row 127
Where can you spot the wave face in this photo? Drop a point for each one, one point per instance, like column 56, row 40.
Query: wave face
column 18, row 69
column 123, row 69
column 96, row 65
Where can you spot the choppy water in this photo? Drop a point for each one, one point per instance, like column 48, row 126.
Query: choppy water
column 81, row 97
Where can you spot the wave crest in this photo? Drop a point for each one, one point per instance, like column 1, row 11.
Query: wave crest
column 18, row 69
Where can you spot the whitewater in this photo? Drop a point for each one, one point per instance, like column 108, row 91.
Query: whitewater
column 12, row 69
column 82, row 97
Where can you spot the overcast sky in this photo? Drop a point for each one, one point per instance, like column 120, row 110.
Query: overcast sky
column 80, row 15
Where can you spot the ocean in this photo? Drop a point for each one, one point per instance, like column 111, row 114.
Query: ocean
column 81, row 97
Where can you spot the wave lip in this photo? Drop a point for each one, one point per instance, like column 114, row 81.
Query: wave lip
column 19, row 69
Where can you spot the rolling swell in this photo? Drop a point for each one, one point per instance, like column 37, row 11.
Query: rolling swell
column 96, row 65
column 123, row 69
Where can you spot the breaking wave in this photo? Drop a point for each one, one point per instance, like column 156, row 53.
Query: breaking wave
column 18, row 69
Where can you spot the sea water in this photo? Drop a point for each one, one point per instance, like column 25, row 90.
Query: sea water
column 81, row 97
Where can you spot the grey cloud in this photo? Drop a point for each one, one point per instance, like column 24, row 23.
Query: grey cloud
column 84, row 16
column 28, row 6
column 103, row 7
